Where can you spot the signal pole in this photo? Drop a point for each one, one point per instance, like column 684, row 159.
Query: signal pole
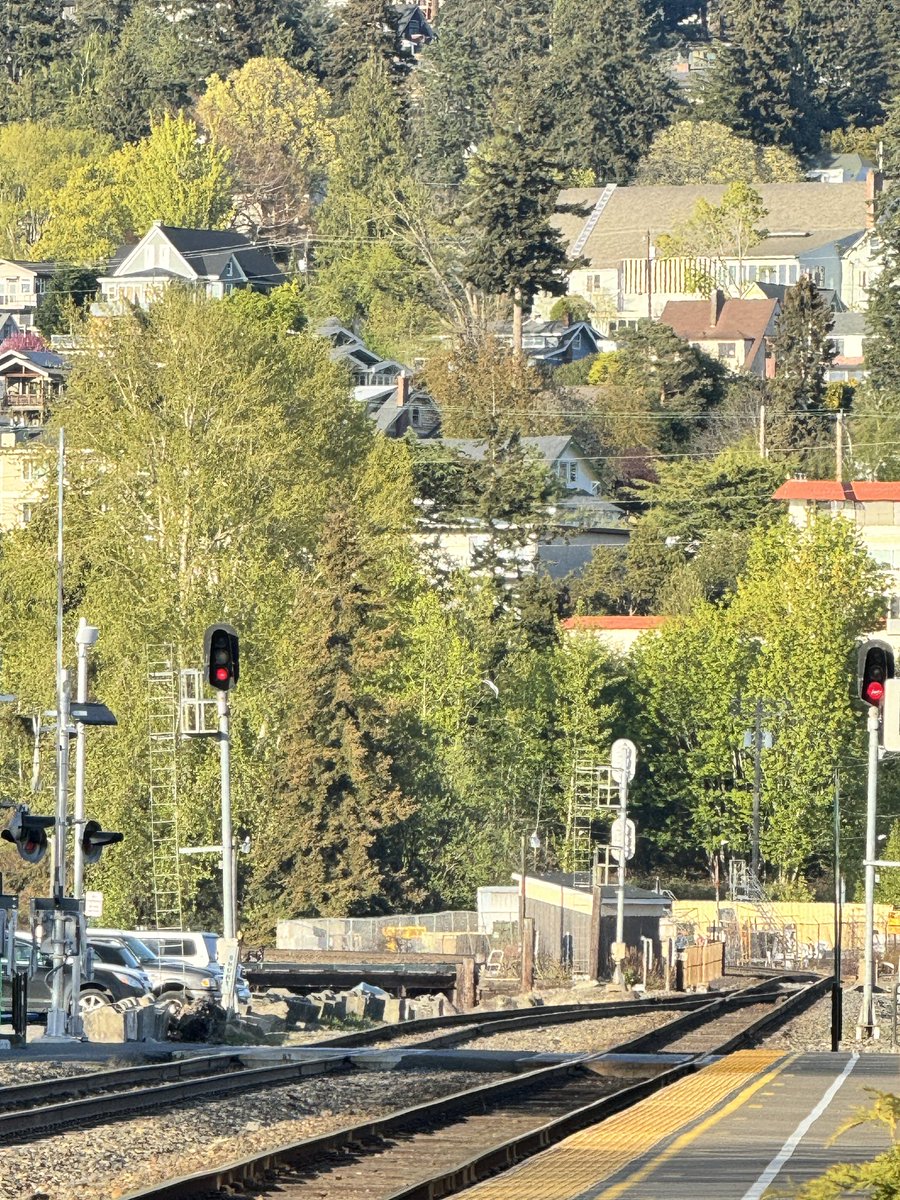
column 866, row 1026
column 229, row 915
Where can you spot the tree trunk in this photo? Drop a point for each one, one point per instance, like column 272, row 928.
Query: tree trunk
column 517, row 322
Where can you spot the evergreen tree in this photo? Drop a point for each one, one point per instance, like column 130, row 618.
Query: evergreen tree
column 759, row 85
column 848, row 67
column 32, row 34
column 460, row 76
column 878, row 404
column 145, row 74
column 515, row 250
column 69, row 292
column 341, row 806
column 802, row 351
column 610, row 94
column 366, row 29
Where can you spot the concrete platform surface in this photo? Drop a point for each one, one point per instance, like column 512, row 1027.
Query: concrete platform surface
column 755, row 1121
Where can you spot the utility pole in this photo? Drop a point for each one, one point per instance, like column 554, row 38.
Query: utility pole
column 839, row 446
column 762, row 431
column 649, row 278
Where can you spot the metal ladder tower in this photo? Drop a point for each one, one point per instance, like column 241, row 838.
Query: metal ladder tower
column 162, row 731
column 743, row 885
column 592, row 793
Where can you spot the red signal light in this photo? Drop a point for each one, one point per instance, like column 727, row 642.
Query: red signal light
column 875, row 692
column 222, row 674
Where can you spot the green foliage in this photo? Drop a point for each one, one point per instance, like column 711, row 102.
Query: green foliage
column 655, row 390
column 174, row 177
column 69, row 292
column 365, row 30
column 273, row 122
column 803, row 351
column 162, row 539
column 515, row 250
column 709, row 152
column 878, row 403
column 878, row 1179
column 720, row 232
column 759, row 85
column 609, row 92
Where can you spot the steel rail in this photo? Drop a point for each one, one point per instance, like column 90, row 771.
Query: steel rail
column 35, row 1122
column 310, row 1151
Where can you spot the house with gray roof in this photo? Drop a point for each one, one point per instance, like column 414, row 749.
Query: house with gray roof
column 383, row 385
column 217, row 261
column 580, row 518
column 30, row 381
column 811, row 229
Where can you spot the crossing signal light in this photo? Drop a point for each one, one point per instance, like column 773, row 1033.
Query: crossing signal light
column 28, row 833
column 220, row 651
column 875, row 668
column 94, row 837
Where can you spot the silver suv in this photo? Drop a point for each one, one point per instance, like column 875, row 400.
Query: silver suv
column 173, row 983
column 198, row 950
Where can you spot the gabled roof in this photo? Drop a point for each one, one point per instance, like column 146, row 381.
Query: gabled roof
column 778, row 291
column 549, row 448
column 39, row 268
column 738, row 320
column 44, row 362
column 861, row 490
column 207, row 252
column 800, row 217
column 849, row 324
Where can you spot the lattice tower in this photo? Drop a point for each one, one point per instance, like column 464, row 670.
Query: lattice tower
column 162, row 728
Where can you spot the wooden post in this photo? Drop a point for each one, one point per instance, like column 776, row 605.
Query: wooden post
column 528, row 956
column 594, row 964
column 465, row 983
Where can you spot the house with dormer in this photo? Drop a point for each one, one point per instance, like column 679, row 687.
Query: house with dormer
column 217, row 261
column 824, row 231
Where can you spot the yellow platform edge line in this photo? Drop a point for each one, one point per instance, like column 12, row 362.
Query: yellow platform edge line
column 585, row 1159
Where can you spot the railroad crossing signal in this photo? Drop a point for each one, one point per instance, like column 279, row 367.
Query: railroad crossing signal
column 94, row 838
column 28, row 833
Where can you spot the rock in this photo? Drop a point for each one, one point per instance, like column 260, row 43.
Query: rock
column 201, row 1021
column 394, row 1010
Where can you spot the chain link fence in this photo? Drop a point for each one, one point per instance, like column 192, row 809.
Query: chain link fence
column 453, row 932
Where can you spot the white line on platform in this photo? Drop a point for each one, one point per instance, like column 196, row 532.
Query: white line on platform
column 785, row 1153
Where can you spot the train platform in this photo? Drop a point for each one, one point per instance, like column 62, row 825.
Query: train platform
column 754, row 1121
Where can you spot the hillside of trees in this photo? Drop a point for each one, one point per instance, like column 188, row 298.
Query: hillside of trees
column 219, row 469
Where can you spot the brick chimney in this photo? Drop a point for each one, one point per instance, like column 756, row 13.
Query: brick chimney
column 402, row 389
column 874, row 184
column 716, row 300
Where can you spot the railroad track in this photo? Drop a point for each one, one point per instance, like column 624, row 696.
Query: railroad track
column 438, row 1148
column 32, row 1109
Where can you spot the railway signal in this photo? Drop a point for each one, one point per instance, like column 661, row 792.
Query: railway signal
column 875, row 666
column 221, row 656
column 28, row 833
column 94, row 838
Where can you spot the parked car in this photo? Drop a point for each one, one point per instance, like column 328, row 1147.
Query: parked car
column 199, row 950
column 109, row 984
column 172, row 982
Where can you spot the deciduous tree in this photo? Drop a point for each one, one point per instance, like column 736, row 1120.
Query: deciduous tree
column 709, row 152
column 273, row 121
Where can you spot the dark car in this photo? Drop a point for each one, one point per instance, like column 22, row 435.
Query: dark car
column 109, row 984
column 172, row 982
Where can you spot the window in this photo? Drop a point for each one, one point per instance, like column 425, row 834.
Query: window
column 567, row 471
column 27, row 513
column 26, row 287
column 229, row 270
column 727, row 350
column 792, row 273
column 838, row 346
column 27, row 469
column 414, row 415
column 751, row 274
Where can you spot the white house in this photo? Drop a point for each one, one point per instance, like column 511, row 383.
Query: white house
column 216, row 260
column 22, row 287
column 811, row 229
